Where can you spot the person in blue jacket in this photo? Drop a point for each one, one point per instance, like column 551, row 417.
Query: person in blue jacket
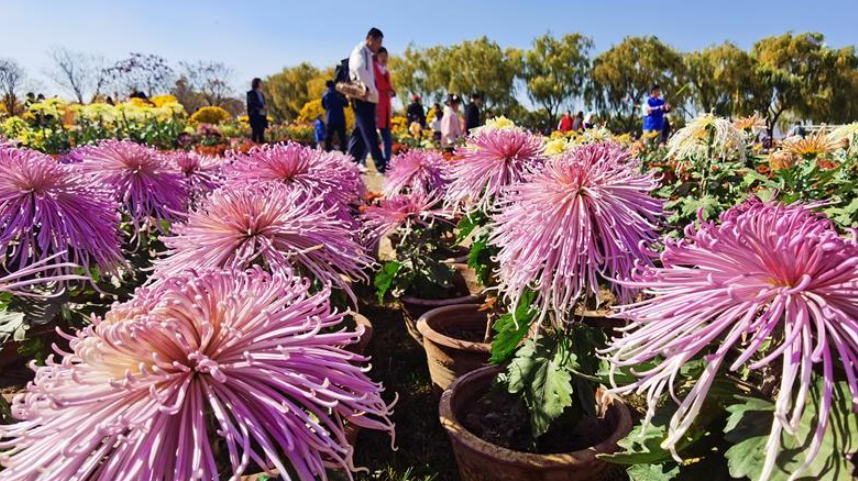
column 654, row 109
column 334, row 103
column 319, row 131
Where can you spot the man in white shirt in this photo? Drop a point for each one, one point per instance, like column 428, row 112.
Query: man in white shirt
column 365, row 136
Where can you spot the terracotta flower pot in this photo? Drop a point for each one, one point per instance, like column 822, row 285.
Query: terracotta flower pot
column 449, row 356
column 414, row 307
column 479, row 460
column 466, row 275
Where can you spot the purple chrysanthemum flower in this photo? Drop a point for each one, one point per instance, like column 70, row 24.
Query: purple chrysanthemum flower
column 246, row 364
column 400, row 211
column 587, row 215
column 271, row 225
column 145, row 183
column 770, row 286
column 492, row 160
column 47, row 208
column 76, row 155
column 328, row 177
column 417, row 171
column 202, row 174
column 41, row 272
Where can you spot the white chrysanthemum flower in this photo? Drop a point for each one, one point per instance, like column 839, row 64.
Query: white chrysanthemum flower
column 707, row 135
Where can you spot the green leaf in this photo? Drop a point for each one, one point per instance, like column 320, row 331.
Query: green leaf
column 384, row 278
column 467, row 225
column 749, row 425
column 511, row 328
column 480, row 258
column 652, row 472
column 538, row 372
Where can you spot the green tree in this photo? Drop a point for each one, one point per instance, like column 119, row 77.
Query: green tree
column 805, row 77
column 723, row 80
column 623, row 74
column 556, row 70
column 411, row 73
column 290, row 89
column 479, row 66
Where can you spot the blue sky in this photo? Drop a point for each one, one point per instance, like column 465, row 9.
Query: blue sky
column 259, row 38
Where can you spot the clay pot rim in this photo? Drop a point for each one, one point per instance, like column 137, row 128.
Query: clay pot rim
column 430, row 333
column 450, row 301
column 518, row 458
column 366, row 337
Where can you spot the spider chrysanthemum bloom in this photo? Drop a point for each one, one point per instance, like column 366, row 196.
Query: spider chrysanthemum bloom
column 325, row 176
column 492, row 160
column 43, row 272
column 246, row 364
column 587, row 216
column 47, row 208
column 400, row 211
column 815, row 146
column 202, row 174
column 771, row 286
column 145, row 183
column 417, row 171
column 271, row 225
column 707, row 135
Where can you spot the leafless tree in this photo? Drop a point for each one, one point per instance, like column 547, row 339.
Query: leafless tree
column 210, row 79
column 11, row 77
column 80, row 74
column 148, row 73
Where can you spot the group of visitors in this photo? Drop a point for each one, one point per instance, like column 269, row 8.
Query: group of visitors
column 578, row 123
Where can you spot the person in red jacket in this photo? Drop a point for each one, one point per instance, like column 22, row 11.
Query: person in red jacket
column 565, row 124
column 385, row 94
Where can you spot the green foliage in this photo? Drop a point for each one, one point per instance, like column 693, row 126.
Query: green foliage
column 556, row 70
column 541, row 373
column 385, row 277
column 722, row 80
column 749, row 426
column 511, row 328
column 288, row 90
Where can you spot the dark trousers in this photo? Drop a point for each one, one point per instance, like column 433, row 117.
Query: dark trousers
column 364, row 137
column 340, row 130
column 258, row 123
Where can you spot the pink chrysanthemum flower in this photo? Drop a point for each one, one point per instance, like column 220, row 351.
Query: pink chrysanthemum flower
column 400, row 211
column 492, row 160
column 271, row 225
column 324, row 176
column 770, row 286
column 246, row 364
column 145, row 183
column 417, row 171
column 586, row 216
column 202, row 174
column 47, row 208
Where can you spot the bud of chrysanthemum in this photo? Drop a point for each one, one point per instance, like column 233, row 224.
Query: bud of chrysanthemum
column 269, row 224
column 328, row 177
column 492, row 160
column 417, row 171
column 586, row 216
column 145, row 183
column 249, row 365
column 770, row 285
column 48, row 208
column 781, row 160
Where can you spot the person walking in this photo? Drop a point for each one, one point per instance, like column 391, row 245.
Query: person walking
column 319, row 132
column 565, row 124
column 256, row 112
column 451, row 123
column 334, row 104
column 472, row 113
column 414, row 112
column 364, row 136
column 654, row 109
column 385, row 94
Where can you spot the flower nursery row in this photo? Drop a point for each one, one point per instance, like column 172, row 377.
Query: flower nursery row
column 589, row 307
